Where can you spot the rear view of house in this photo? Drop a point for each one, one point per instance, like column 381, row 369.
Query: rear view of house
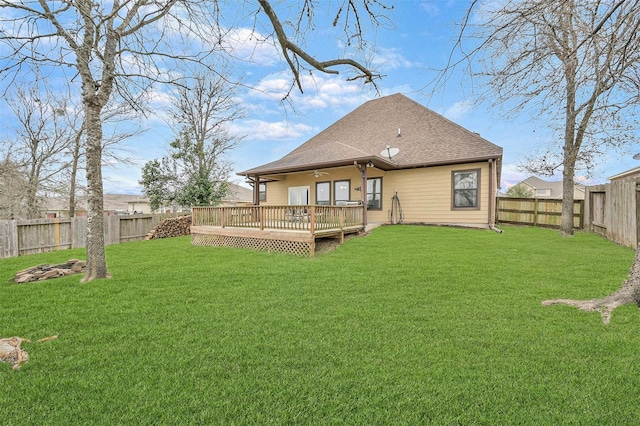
column 397, row 159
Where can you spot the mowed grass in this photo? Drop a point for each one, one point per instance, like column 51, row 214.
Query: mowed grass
column 408, row 325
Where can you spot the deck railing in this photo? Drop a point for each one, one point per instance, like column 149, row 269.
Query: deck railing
column 310, row 218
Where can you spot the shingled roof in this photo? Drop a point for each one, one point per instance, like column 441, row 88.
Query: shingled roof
column 423, row 137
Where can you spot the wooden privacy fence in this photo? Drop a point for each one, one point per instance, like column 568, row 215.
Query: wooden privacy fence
column 23, row 237
column 612, row 210
column 536, row 212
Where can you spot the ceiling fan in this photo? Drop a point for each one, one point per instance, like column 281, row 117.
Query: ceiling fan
column 318, row 173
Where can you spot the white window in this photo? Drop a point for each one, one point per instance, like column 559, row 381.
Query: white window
column 263, row 191
column 466, row 185
column 323, row 193
column 342, row 191
column 298, row 195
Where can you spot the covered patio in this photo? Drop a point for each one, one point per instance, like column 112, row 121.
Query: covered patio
column 287, row 229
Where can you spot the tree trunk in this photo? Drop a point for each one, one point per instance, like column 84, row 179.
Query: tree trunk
column 629, row 292
column 96, row 260
column 566, row 223
column 74, row 174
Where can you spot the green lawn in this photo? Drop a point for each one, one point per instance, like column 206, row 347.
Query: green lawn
column 408, row 325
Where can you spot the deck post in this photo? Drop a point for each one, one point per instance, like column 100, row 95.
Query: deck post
column 312, row 219
column 261, row 216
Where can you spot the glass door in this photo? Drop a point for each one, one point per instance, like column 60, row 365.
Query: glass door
column 298, row 195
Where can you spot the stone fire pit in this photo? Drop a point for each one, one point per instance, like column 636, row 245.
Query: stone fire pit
column 46, row 272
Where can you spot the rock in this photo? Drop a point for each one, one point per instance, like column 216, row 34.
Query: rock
column 24, row 278
column 52, row 273
column 46, row 271
column 10, row 351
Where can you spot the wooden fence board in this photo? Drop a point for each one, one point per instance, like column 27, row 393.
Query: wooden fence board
column 8, row 238
column 535, row 212
column 612, row 211
column 19, row 238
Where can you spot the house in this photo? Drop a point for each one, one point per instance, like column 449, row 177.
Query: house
column 112, row 204
column 550, row 190
column 627, row 176
column 237, row 195
column 390, row 160
column 137, row 204
column 397, row 158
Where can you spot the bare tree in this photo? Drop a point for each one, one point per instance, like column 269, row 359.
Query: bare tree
column 574, row 64
column 196, row 170
column 118, row 49
column 41, row 141
column 13, row 185
column 203, row 109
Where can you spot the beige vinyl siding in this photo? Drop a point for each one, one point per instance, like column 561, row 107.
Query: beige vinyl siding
column 424, row 193
column 425, row 196
column 277, row 191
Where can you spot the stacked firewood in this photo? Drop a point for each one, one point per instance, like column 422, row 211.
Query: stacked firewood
column 171, row 227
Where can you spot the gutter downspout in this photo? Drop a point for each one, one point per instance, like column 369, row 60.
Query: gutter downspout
column 492, row 198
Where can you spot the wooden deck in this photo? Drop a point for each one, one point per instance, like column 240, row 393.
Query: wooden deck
column 290, row 229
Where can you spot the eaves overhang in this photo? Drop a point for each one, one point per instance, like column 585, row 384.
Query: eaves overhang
column 377, row 162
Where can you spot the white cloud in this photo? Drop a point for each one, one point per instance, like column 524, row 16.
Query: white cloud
column 390, row 59
column 321, row 92
column 248, row 45
column 271, row 131
column 431, row 8
column 459, row 110
column 511, row 175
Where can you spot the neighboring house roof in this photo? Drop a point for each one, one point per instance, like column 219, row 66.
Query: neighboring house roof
column 110, row 202
column 237, row 193
column 554, row 189
column 423, row 137
column 635, row 172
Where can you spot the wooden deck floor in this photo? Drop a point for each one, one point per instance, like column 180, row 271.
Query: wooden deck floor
column 277, row 231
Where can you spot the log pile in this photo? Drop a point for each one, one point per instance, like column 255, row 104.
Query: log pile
column 171, row 227
column 46, row 271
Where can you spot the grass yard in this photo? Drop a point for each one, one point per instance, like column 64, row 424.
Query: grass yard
column 408, row 325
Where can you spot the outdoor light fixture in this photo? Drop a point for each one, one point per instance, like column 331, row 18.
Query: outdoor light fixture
column 370, row 164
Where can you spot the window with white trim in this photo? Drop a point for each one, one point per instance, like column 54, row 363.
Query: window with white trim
column 263, row 191
column 374, row 193
column 465, row 189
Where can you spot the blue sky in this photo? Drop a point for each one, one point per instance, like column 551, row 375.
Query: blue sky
column 406, row 52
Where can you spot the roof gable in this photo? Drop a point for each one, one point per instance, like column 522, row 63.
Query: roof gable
column 631, row 173
column 422, row 136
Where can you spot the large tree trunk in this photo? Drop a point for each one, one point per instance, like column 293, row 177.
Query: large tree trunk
column 566, row 222
column 96, row 260
column 628, row 293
